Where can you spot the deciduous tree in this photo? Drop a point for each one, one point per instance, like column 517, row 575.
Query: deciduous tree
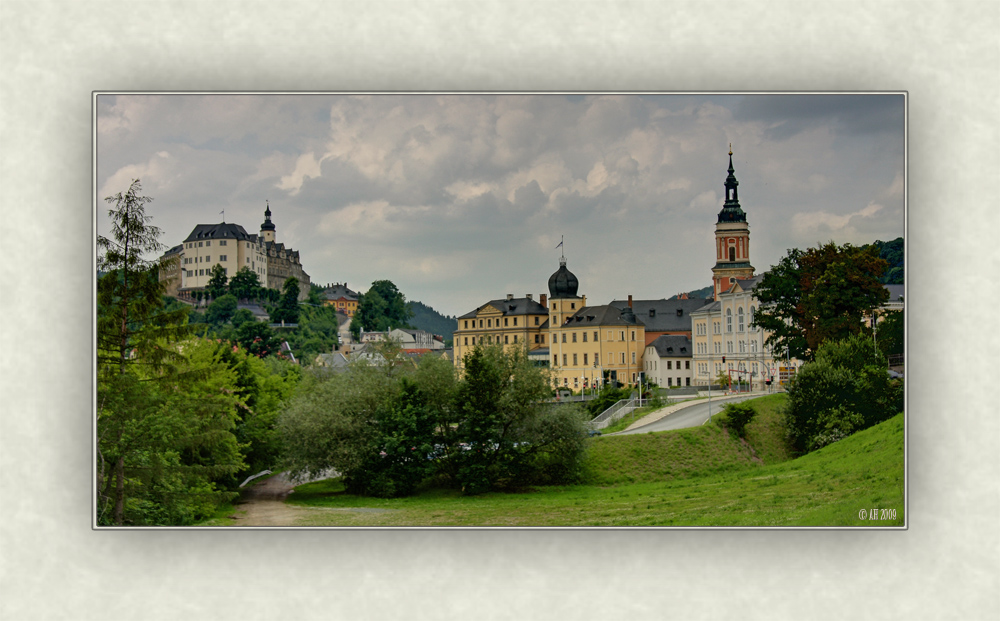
column 216, row 286
column 818, row 295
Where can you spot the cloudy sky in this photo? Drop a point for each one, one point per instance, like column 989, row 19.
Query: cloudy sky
column 459, row 199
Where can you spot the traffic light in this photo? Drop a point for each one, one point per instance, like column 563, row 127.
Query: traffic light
column 723, row 360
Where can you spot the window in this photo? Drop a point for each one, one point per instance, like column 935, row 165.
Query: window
column 585, row 360
column 623, row 357
column 467, row 340
column 633, row 335
column 466, row 324
column 597, row 358
column 208, row 243
column 572, row 305
column 574, row 360
column 574, row 337
column 555, row 306
column 584, row 337
column 564, row 337
column 201, row 272
column 555, row 360
column 536, row 321
column 222, row 257
column 633, row 357
column 729, row 347
column 199, row 244
column 222, row 242
column 729, row 320
column 480, row 323
column 670, row 364
column 611, row 359
column 622, row 335
column 595, row 336
column 732, row 255
column 515, row 322
column 505, row 322
column 687, row 365
column 504, row 339
column 515, row 338
column 739, row 318
column 687, row 381
column 489, row 323
column 565, row 356
column 190, row 273
column 536, row 338
column 670, row 381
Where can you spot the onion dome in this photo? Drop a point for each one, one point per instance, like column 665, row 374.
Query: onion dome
column 563, row 284
column 731, row 210
column 268, row 225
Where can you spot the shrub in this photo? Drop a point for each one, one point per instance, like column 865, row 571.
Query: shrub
column 736, row 417
column 845, row 390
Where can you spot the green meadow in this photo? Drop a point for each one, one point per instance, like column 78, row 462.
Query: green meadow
column 692, row 477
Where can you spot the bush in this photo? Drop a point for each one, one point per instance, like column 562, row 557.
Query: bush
column 845, row 390
column 736, row 417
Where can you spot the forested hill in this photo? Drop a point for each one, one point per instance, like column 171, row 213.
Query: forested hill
column 892, row 252
column 426, row 318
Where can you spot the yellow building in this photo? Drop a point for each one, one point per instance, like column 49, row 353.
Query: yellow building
column 341, row 298
column 514, row 322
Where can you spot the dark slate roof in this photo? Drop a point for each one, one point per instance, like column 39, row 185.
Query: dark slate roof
column 748, row 284
column 606, row 315
column 175, row 250
column 711, row 306
column 563, row 283
column 664, row 315
column 224, row 230
column 339, row 291
column 514, row 306
column 672, row 345
column 895, row 292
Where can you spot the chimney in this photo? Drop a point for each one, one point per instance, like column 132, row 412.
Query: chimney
column 543, row 300
column 510, row 296
column 630, row 300
column 528, row 296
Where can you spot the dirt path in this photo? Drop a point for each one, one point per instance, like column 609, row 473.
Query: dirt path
column 263, row 504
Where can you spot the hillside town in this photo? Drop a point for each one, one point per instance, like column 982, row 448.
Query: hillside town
column 681, row 341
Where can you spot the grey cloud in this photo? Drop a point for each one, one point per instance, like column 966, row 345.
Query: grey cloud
column 787, row 115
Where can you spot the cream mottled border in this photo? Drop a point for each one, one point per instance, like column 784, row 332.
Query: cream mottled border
column 55, row 53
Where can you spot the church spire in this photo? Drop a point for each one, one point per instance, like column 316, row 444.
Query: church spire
column 731, row 210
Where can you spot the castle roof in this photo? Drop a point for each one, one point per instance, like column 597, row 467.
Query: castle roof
column 223, row 230
column 606, row 315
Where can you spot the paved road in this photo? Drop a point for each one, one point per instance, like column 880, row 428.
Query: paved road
column 691, row 416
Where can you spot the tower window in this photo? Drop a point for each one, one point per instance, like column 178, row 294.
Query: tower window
column 732, row 254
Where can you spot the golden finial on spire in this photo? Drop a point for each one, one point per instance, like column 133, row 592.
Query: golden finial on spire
column 730, row 148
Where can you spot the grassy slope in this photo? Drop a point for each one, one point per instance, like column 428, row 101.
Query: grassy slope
column 693, row 477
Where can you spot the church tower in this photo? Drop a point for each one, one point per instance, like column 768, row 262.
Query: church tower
column 267, row 229
column 732, row 239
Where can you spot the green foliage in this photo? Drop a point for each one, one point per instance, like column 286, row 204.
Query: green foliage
column 891, row 333
column 818, row 295
column 315, row 296
column 608, row 396
column 317, row 332
column 221, row 310
column 383, row 307
column 216, row 286
column 426, row 318
column 245, row 284
column 736, row 417
column 893, row 254
column 241, row 316
column 258, row 338
column 844, row 390
column 288, row 306
column 169, row 437
column 388, row 426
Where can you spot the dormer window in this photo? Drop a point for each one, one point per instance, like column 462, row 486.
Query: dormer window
column 652, row 312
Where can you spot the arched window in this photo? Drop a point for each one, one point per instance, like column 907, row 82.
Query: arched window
column 740, row 320
column 751, row 315
column 732, row 253
column 729, row 320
